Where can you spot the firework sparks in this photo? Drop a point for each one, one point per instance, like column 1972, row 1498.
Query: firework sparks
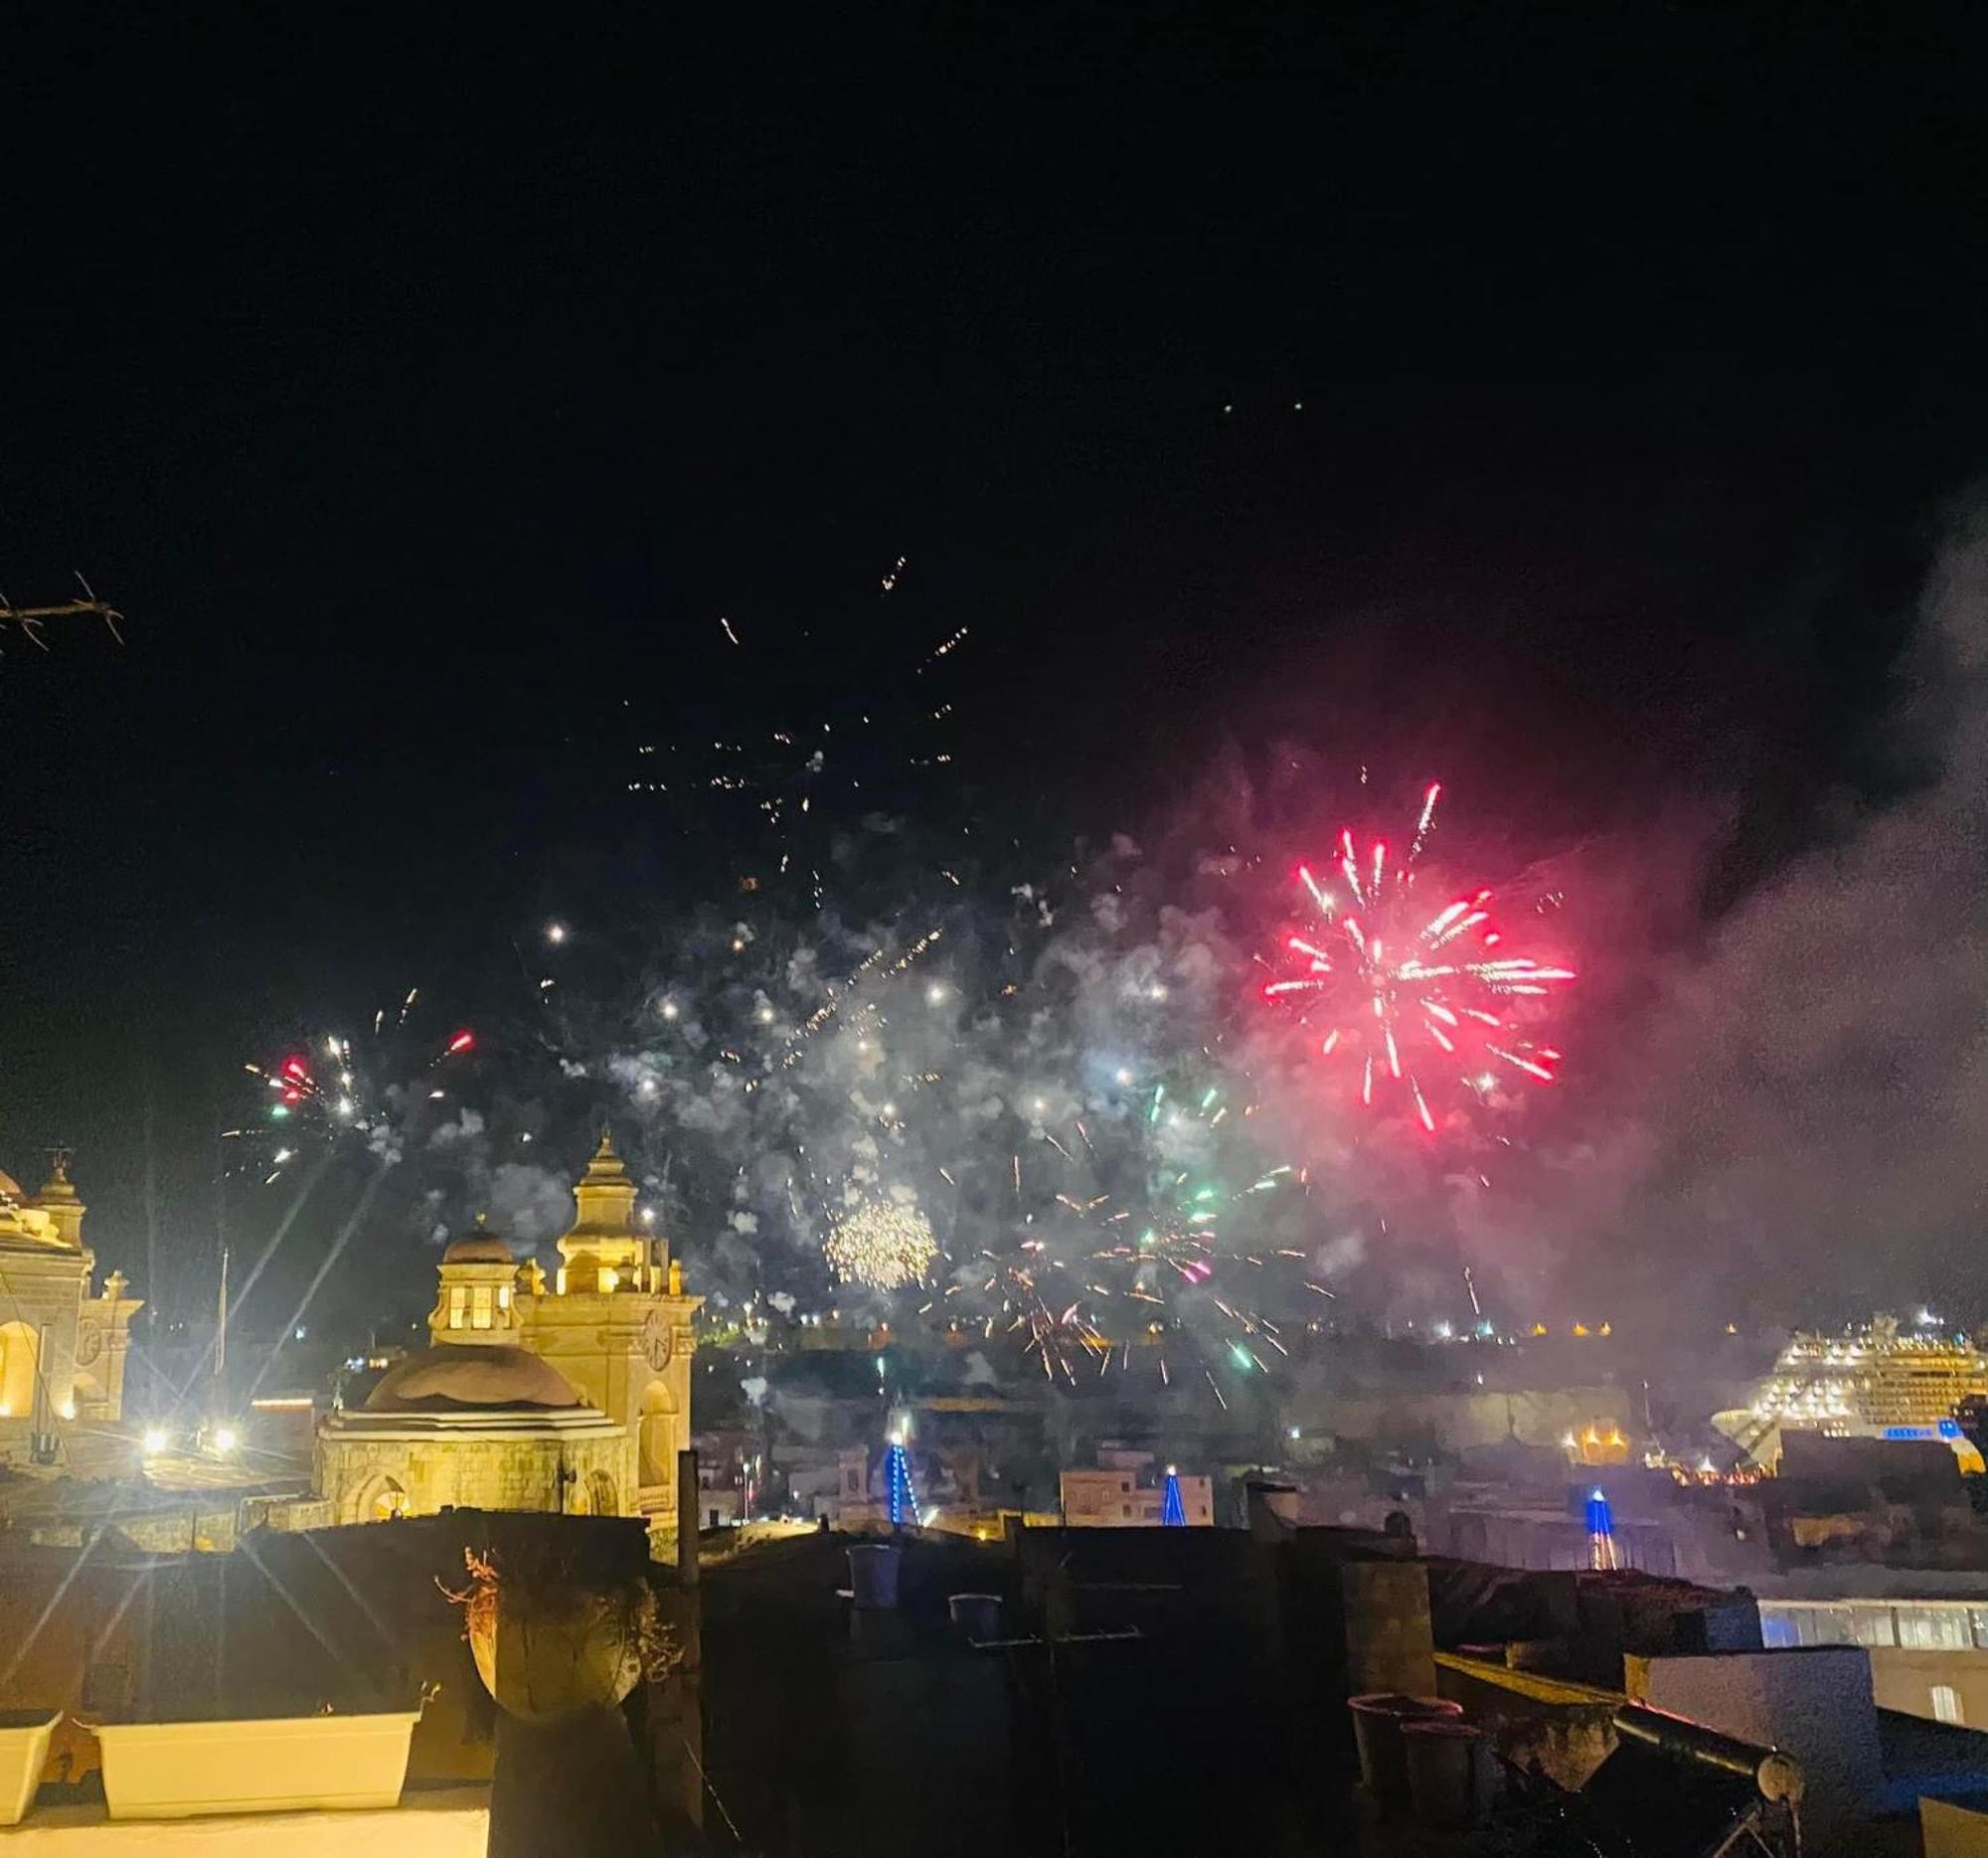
column 1174, row 1256
column 347, row 1095
column 1396, row 988
column 882, row 1245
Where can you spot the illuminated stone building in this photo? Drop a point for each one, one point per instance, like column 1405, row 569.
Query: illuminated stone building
column 490, row 1427
column 62, row 1343
column 568, row 1396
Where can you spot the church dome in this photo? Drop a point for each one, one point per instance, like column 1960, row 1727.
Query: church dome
column 10, row 1188
column 492, row 1376
column 478, row 1247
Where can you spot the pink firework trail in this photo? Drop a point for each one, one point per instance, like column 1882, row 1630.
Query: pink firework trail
column 1399, row 994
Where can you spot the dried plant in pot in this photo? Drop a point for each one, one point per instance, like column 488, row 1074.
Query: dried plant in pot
column 548, row 1644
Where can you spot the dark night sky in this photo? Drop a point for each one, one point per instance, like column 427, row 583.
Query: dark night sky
column 420, row 395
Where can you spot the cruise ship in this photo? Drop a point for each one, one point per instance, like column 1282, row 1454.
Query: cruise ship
column 1875, row 1382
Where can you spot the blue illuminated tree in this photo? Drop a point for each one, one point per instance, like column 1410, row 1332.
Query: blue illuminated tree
column 898, row 1492
column 1173, row 1512
column 1601, row 1531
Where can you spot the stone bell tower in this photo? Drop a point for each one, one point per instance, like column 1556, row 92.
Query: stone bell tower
column 617, row 1324
column 475, row 1301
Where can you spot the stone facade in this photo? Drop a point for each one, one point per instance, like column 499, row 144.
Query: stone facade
column 597, row 1436
column 380, row 1471
column 63, row 1345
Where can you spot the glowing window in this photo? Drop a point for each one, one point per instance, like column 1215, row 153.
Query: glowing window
column 479, row 1307
column 458, row 1306
column 1946, row 1704
column 1872, row 1626
column 1934, row 1628
column 1829, row 1626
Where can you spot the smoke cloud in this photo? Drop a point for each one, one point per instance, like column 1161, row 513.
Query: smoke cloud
column 1813, row 1111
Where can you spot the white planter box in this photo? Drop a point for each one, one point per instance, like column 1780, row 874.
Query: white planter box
column 24, row 1752
column 274, row 1764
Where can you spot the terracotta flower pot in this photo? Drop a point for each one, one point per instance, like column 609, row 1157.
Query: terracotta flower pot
column 1376, row 1731
column 1449, row 1770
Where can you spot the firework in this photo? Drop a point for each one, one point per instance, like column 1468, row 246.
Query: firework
column 831, row 733
column 882, row 1245
column 330, row 1090
column 1164, row 1239
column 1399, row 994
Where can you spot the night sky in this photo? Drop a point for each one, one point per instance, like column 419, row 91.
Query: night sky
column 1586, row 391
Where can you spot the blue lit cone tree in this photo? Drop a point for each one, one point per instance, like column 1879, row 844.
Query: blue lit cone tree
column 898, row 1495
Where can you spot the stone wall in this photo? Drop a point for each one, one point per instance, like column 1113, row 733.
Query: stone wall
column 1469, row 1422
column 433, row 1474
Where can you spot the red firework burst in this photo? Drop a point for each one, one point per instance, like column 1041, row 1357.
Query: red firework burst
column 1400, row 991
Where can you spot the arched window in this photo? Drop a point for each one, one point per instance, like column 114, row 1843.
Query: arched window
column 20, row 1360
column 656, row 1435
column 601, row 1499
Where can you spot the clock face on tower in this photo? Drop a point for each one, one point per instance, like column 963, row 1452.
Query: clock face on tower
column 656, row 1339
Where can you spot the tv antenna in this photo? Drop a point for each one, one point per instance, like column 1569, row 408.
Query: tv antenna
column 31, row 619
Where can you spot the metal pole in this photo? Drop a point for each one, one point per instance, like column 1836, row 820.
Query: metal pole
column 221, row 1327
column 220, row 1234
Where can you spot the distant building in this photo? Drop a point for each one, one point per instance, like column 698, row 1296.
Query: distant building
column 1513, row 1528
column 1129, row 1493
column 1600, row 1441
column 63, row 1345
column 1928, row 1657
column 571, row 1398
column 731, row 1478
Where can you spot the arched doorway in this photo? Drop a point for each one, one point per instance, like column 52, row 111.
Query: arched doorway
column 378, row 1500
column 656, row 1438
column 20, row 1360
column 601, row 1499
